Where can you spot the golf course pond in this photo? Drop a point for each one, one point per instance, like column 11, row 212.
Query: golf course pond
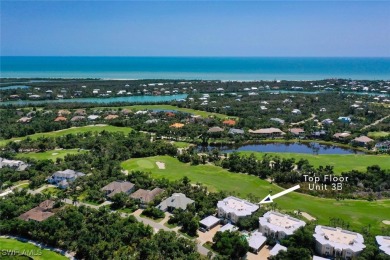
column 306, row 148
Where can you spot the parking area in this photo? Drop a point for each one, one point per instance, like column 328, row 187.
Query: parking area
column 262, row 255
column 208, row 236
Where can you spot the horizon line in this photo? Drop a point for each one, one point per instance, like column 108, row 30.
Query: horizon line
column 189, row 56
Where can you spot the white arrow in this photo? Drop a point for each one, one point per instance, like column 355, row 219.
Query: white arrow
column 270, row 198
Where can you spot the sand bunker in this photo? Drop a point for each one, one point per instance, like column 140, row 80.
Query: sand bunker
column 54, row 153
column 386, row 222
column 160, row 165
column 306, row 215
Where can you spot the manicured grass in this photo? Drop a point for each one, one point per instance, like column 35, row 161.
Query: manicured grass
column 358, row 213
column 378, row 134
column 72, row 130
column 181, row 144
column 153, row 219
column 50, row 155
column 51, row 190
column 340, row 162
column 15, row 245
column 184, row 110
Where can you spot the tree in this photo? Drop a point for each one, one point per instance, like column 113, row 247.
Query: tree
column 230, row 244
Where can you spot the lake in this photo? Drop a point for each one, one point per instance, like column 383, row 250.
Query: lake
column 307, row 148
column 131, row 99
column 14, row 87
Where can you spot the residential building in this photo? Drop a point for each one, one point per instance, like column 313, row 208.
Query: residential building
column 229, row 122
column 80, row 112
column 344, row 119
column 63, row 112
column 336, row 242
column 93, row 117
column 63, row 178
column 327, row 121
column 111, row 117
column 362, row 140
column 16, row 164
column 25, row 120
column 276, row 249
column 297, row 131
column 278, row 225
column 233, row 208
column 117, row 187
column 341, row 135
column 60, row 119
column 146, row 196
column 256, row 241
column 77, row 118
column 39, row 213
column 176, row 201
column 215, row 129
column 296, row 112
column 384, row 244
column 209, row 222
column 177, row 125
column 235, row 131
column 383, row 146
column 277, row 120
column 268, row 132
column 228, row 227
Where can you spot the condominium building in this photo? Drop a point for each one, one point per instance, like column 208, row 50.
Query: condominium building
column 233, row 208
column 336, row 242
column 278, row 225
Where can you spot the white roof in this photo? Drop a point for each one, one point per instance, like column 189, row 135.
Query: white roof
column 209, row 221
column 275, row 250
column 280, row 222
column 384, row 244
column 237, row 206
column 256, row 240
column 93, row 117
column 319, row 258
column 339, row 239
column 228, row 227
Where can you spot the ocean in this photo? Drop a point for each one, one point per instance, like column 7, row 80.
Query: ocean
column 207, row 68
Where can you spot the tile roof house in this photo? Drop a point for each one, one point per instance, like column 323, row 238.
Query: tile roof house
column 229, row 122
column 39, row 213
column 24, row 119
column 336, row 242
column 384, row 244
column 277, row 120
column 77, row 118
column 177, row 125
column 63, row 178
column 146, row 196
column 233, row 208
column 111, row 117
column 327, row 121
column 63, row 112
column 341, row 135
column 80, row 112
column 278, row 225
column 297, row 131
column 176, row 201
column 268, row 132
column 117, row 187
column 215, row 129
column 60, row 118
column 362, row 140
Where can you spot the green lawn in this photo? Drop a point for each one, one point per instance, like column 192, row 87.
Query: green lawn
column 50, row 155
column 181, row 144
column 358, row 213
column 51, row 190
column 378, row 134
column 12, row 244
column 340, row 162
column 170, row 107
column 72, row 130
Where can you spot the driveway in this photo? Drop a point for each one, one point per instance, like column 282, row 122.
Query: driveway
column 208, row 236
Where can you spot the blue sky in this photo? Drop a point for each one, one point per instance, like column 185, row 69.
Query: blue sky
column 185, row 28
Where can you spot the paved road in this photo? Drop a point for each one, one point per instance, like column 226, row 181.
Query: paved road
column 39, row 190
column 375, row 123
column 303, row 121
column 10, row 189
